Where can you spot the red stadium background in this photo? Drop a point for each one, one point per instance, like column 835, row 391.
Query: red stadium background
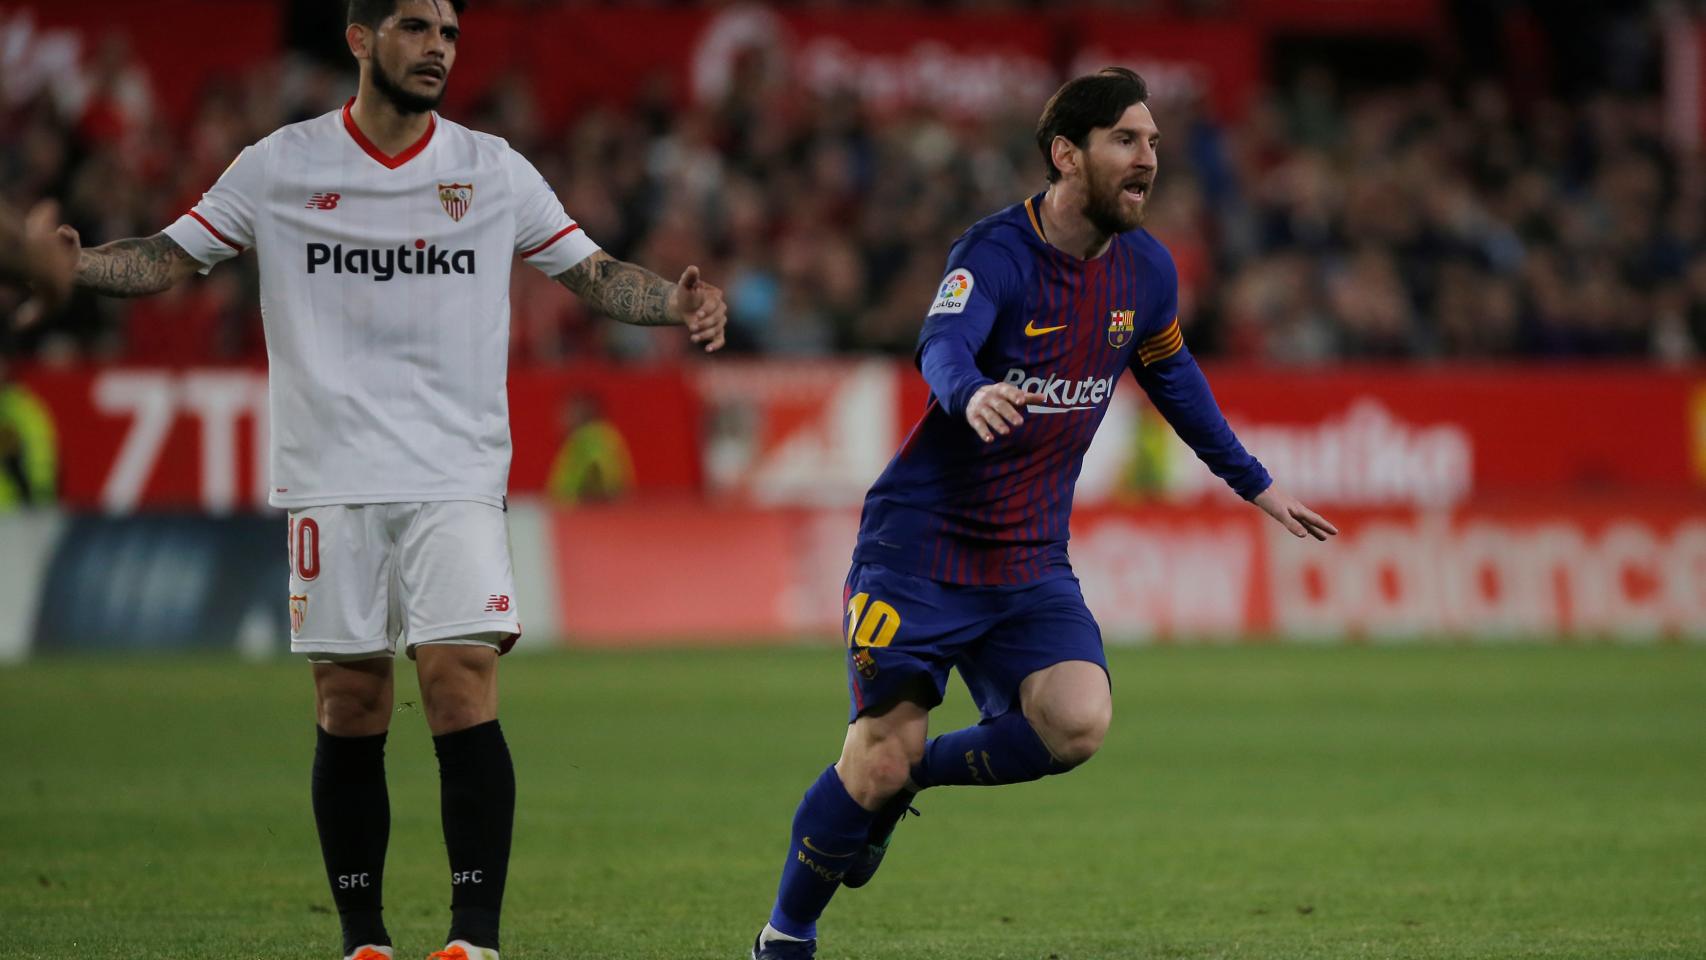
column 1538, row 502
column 1505, row 494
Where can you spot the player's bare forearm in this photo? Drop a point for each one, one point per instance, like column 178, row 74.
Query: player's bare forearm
column 623, row 291
column 135, row 267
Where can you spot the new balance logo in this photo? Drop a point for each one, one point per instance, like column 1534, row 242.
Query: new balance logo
column 497, row 603
column 323, row 201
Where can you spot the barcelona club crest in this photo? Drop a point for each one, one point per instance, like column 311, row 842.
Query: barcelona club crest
column 1121, row 325
column 298, row 610
column 457, row 198
column 865, row 663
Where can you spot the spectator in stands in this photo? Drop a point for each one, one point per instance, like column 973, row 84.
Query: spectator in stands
column 1328, row 223
column 593, row 463
column 29, row 448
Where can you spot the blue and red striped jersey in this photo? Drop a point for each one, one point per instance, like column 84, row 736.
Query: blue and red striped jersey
column 1013, row 308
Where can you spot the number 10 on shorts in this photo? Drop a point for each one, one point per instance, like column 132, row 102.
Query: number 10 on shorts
column 304, row 542
column 870, row 623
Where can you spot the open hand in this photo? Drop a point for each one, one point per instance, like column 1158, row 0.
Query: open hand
column 1293, row 515
column 700, row 306
column 995, row 409
column 50, row 254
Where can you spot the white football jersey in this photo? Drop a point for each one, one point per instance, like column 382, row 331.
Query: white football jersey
column 385, row 299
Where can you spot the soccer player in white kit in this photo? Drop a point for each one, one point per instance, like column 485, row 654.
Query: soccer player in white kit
column 385, row 235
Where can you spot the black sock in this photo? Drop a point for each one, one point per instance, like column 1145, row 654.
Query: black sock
column 477, row 793
column 353, row 813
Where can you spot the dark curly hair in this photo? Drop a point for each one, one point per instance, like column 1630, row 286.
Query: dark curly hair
column 371, row 13
column 1085, row 103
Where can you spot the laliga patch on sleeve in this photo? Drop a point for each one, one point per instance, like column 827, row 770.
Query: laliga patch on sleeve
column 955, row 292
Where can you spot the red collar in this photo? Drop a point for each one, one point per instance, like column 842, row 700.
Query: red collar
column 391, row 163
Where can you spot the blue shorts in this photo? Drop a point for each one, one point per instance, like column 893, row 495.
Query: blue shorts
column 904, row 632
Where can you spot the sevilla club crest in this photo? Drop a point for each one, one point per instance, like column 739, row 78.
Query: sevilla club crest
column 1121, row 325
column 298, row 611
column 457, row 198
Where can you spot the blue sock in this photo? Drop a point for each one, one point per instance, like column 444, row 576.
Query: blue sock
column 829, row 828
column 1004, row 750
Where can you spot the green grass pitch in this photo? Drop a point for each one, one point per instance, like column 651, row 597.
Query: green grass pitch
column 1258, row 802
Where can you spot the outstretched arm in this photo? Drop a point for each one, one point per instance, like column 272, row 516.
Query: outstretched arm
column 1179, row 390
column 135, row 267
column 632, row 294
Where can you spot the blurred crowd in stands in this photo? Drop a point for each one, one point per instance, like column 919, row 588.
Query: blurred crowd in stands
column 1411, row 221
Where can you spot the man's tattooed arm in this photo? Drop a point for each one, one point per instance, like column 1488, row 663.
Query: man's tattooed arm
column 623, row 291
column 137, row 267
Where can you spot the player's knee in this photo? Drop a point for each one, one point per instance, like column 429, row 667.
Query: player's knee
column 454, row 704
column 872, row 778
column 1073, row 733
column 1078, row 745
column 873, row 770
column 353, row 699
column 354, row 710
column 880, row 749
column 450, row 713
column 458, row 686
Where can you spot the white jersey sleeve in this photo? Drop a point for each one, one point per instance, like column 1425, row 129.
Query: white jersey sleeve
column 545, row 235
column 222, row 225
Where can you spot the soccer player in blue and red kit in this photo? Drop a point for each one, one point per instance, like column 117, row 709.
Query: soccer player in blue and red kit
column 961, row 560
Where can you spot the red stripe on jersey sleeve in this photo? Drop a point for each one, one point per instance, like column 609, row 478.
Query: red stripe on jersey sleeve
column 222, row 237
column 571, row 228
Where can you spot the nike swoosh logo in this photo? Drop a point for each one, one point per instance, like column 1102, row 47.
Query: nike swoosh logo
column 1032, row 330
column 807, row 843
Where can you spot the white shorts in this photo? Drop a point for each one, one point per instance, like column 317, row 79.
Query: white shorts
column 362, row 576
